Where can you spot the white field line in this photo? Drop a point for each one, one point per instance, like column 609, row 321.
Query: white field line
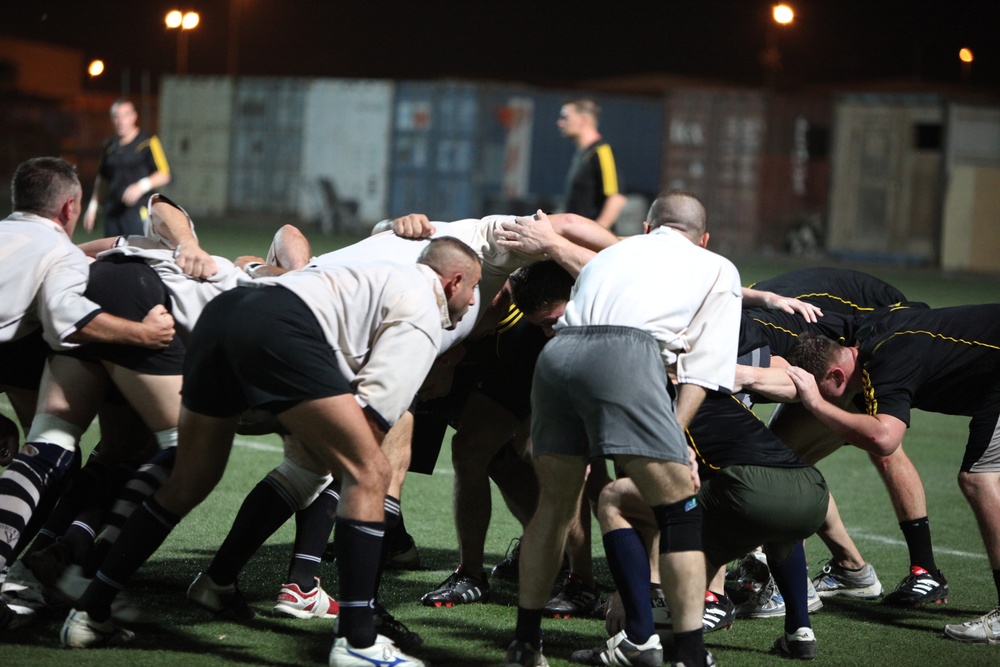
column 897, row 542
column 258, row 446
column 267, row 447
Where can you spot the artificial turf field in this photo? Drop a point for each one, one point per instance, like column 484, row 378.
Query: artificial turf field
column 849, row 632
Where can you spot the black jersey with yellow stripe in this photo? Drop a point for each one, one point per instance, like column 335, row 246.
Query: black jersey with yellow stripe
column 725, row 433
column 936, row 359
column 834, row 290
column 780, row 330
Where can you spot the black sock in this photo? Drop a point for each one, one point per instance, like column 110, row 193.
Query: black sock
column 143, row 484
column 629, row 564
column 690, row 647
column 358, row 546
column 996, row 582
column 791, row 577
column 917, row 534
column 313, row 526
column 141, row 536
column 529, row 626
column 393, row 512
column 266, row 508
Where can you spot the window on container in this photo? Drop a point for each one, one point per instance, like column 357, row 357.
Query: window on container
column 927, row 136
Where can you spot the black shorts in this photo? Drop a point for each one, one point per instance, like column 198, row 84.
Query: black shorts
column 23, row 360
column 260, row 348
column 500, row 366
column 128, row 288
column 506, row 373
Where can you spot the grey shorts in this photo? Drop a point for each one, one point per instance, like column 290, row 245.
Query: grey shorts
column 602, row 391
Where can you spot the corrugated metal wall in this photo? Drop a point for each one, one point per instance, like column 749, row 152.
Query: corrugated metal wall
column 434, row 150
column 266, row 146
column 713, row 147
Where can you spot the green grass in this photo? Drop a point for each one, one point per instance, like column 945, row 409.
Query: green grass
column 850, row 633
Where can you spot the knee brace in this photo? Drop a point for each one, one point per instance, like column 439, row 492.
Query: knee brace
column 302, row 486
column 46, row 428
column 680, row 525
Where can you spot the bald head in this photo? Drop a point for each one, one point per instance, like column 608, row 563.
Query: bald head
column 459, row 268
column 682, row 211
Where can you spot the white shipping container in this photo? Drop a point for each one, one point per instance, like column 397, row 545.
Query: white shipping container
column 345, row 150
column 195, row 128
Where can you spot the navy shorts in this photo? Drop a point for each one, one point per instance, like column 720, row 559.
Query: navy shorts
column 260, row 348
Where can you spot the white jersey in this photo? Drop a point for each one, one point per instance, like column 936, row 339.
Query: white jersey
column 42, row 280
column 686, row 297
column 385, row 321
column 479, row 234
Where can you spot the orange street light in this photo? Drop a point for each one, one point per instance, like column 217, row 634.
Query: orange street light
column 95, row 68
column 965, row 55
column 183, row 21
column 783, row 14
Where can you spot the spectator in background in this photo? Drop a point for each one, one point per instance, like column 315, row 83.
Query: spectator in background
column 592, row 188
column 132, row 164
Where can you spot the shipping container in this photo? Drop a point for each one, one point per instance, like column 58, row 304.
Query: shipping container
column 794, row 173
column 887, row 178
column 344, row 173
column 196, row 131
column 266, row 146
column 435, row 154
column 713, row 146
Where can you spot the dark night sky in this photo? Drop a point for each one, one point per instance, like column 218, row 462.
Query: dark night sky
column 544, row 41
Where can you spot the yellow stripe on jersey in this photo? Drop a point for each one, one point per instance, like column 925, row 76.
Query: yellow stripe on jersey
column 159, row 157
column 972, row 343
column 694, row 446
column 513, row 317
column 775, row 326
column 608, row 173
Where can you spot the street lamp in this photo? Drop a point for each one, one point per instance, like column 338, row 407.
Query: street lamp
column 965, row 55
column 95, row 68
column 183, row 22
column 783, row 15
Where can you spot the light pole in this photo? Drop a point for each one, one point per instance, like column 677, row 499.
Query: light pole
column 965, row 55
column 183, row 22
column 783, row 15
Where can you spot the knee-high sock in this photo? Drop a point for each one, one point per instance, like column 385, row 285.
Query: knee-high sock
column 313, row 526
column 83, row 507
column 142, row 485
column 32, row 476
column 358, row 546
column 393, row 512
column 264, row 511
column 791, row 577
column 628, row 561
column 141, row 536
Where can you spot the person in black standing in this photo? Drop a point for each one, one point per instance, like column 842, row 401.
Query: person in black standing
column 592, row 188
column 132, row 164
